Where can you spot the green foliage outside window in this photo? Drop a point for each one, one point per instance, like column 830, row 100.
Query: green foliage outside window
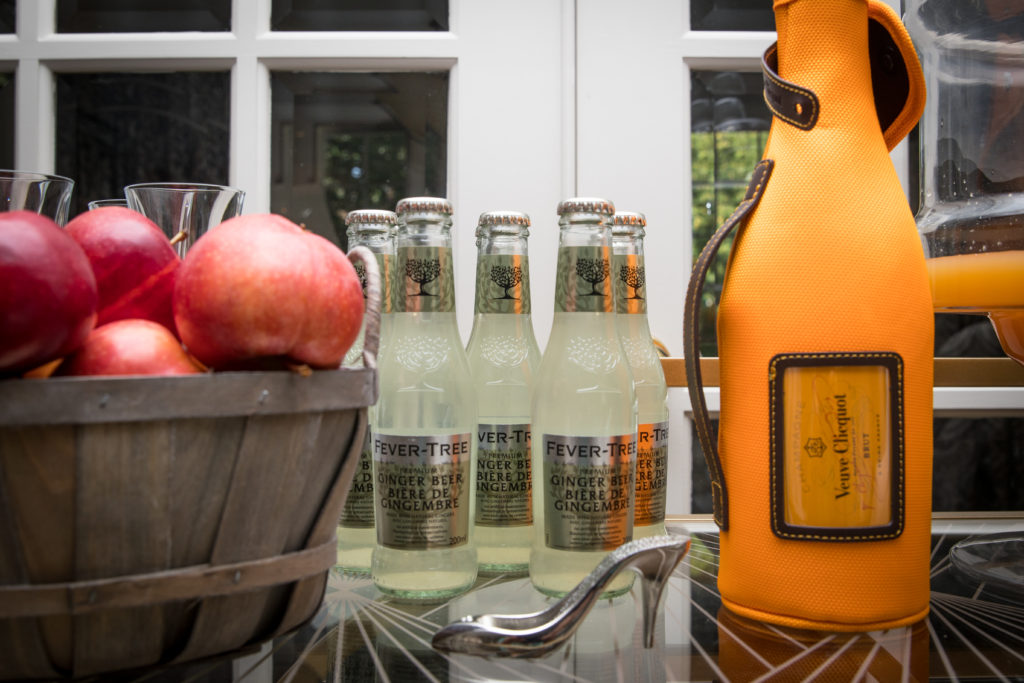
column 722, row 163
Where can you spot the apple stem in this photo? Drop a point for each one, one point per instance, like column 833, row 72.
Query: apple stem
column 180, row 237
column 301, row 369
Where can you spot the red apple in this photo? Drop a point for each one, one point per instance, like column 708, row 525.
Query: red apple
column 259, row 286
column 47, row 292
column 134, row 263
column 130, row 347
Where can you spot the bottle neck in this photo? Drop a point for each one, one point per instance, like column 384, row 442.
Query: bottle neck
column 502, row 276
column 630, row 275
column 424, row 273
column 383, row 247
column 583, row 282
column 823, row 46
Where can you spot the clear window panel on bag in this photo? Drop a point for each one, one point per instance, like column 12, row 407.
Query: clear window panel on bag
column 114, row 129
column 731, row 15
column 347, row 141
column 729, row 124
column 359, row 15
column 117, row 16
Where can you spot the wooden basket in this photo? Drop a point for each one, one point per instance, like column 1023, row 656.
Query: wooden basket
column 162, row 519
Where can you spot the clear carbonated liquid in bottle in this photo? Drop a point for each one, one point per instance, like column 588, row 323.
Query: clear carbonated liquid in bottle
column 629, row 271
column 424, row 422
column 373, row 229
column 584, row 413
column 504, row 358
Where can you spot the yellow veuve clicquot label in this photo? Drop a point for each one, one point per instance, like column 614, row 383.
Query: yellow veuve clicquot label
column 835, row 448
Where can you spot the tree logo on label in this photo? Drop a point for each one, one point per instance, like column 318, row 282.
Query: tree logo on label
column 506, row 277
column 594, row 271
column 422, row 271
column 635, row 277
column 361, row 274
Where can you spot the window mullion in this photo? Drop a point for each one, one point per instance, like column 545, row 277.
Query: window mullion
column 250, row 132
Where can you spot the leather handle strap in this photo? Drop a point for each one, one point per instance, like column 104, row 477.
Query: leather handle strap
column 691, row 339
column 789, row 102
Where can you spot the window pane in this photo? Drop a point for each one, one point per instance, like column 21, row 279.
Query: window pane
column 359, row 15
column 117, row 16
column 7, row 15
column 118, row 129
column 977, row 463
column 346, row 141
column 731, row 15
column 729, row 128
column 7, row 121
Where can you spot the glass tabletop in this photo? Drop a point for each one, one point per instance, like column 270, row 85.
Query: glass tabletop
column 975, row 631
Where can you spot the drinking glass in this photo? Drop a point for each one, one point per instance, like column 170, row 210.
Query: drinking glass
column 185, row 211
column 45, row 194
column 99, row 203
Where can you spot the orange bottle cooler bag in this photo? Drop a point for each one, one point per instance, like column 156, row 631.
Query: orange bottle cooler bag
column 821, row 475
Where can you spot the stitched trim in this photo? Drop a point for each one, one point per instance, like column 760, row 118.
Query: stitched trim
column 892, row 362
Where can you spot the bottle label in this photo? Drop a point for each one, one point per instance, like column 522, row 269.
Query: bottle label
column 358, row 510
column 584, row 283
column 503, row 485
column 651, row 473
column 837, row 465
column 630, row 278
column 422, row 490
column 502, row 284
column 428, row 284
column 588, row 491
column 385, row 263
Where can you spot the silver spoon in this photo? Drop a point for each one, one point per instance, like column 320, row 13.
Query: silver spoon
column 533, row 635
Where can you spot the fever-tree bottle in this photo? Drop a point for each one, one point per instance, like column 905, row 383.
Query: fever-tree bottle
column 630, row 276
column 424, row 421
column 373, row 229
column 503, row 357
column 583, row 413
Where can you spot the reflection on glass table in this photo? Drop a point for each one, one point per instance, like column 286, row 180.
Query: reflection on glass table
column 972, row 633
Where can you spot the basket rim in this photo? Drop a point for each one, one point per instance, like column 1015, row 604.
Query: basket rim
column 93, row 400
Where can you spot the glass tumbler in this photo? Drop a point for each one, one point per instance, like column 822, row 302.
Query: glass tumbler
column 45, row 194
column 100, row 203
column 185, row 211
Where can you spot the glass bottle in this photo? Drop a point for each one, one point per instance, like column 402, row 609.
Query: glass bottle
column 503, row 357
column 373, row 229
column 628, row 269
column 424, row 445
column 583, row 413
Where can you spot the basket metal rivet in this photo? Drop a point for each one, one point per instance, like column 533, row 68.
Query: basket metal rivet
column 104, row 399
column 92, row 596
column 237, row 577
column 264, row 395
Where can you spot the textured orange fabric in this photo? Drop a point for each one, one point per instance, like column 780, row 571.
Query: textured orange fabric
column 829, row 261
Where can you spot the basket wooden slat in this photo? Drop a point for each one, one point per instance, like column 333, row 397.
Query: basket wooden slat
column 290, row 444
column 36, row 543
